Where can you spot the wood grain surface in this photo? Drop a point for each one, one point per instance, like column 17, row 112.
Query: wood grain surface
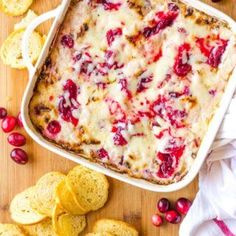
column 127, row 203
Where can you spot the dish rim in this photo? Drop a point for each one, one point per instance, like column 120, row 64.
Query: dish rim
column 59, row 14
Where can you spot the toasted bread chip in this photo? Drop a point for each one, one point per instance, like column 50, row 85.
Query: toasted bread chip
column 15, row 7
column 43, row 228
column 30, row 16
column 67, row 200
column 44, row 194
column 10, row 230
column 66, row 224
column 90, row 187
column 99, row 234
column 114, row 227
column 11, row 53
column 21, row 210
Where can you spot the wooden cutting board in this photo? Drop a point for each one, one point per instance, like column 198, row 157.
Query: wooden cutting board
column 126, row 202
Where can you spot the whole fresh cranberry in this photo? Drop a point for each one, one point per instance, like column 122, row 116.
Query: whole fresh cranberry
column 8, row 124
column 157, row 220
column 3, row 112
column 54, row 127
column 19, row 120
column 16, row 139
column 19, row 156
column 182, row 205
column 163, row 205
column 67, row 41
column 173, row 217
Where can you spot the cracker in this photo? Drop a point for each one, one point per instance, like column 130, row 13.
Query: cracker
column 11, row 53
column 44, row 194
column 91, row 188
column 99, row 234
column 43, row 228
column 114, row 227
column 67, row 200
column 21, row 210
column 10, row 230
column 66, row 224
column 15, row 8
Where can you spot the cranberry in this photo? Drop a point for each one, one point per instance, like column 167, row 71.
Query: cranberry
column 176, row 117
column 215, row 1
column 157, row 56
column 163, row 205
column 16, row 139
column 8, row 124
column 164, row 20
column 169, row 161
column 166, row 168
column 109, row 6
column 119, row 140
column 124, row 87
column 215, row 56
column 173, row 217
column 66, row 112
column 3, row 113
column 19, row 156
column 181, row 66
column 172, row 6
column 116, row 110
column 19, row 120
column 212, row 92
column 67, row 41
column 157, row 220
column 143, row 83
column 54, row 127
column 102, row 153
column 112, row 34
column 182, row 205
column 73, row 91
column 213, row 53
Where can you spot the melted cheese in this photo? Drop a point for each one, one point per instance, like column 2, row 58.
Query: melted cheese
column 170, row 113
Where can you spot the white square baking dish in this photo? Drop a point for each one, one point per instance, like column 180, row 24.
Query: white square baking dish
column 59, row 14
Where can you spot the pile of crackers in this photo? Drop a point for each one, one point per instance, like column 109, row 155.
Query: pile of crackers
column 58, row 203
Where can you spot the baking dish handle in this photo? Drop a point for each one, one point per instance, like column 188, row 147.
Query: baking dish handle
column 28, row 32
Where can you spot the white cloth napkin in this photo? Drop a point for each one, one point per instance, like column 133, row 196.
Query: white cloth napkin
column 213, row 212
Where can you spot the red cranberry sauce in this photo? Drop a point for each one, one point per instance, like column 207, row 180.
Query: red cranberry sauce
column 109, row 6
column 119, row 122
column 102, row 153
column 182, row 66
column 185, row 92
column 162, row 107
column 86, row 65
column 169, row 159
column 161, row 21
column 65, row 108
column 124, row 87
column 144, row 81
column 112, row 34
column 119, row 140
column 213, row 49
